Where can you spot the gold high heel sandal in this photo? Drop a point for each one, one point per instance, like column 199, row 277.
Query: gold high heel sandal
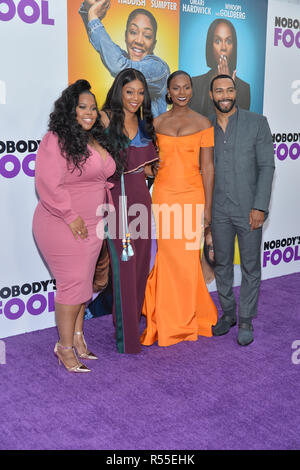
column 87, row 354
column 78, row 368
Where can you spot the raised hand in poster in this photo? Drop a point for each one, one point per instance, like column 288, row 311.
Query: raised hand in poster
column 97, row 8
column 221, row 57
column 140, row 40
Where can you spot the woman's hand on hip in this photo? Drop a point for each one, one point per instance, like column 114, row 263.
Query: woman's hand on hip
column 78, row 228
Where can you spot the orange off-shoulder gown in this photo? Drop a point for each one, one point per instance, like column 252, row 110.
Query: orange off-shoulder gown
column 177, row 304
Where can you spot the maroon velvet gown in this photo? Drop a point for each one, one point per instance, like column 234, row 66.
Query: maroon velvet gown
column 130, row 277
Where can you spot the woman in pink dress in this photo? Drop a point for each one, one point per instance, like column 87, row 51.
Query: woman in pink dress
column 72, row 167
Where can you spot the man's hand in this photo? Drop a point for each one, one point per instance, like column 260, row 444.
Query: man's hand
column 209, row 243
column 256, row 219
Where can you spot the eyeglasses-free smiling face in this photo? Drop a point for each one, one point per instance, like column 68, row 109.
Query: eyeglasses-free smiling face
column 180, row 90
column 132, row 96
column 139, row 37
column 223, row 95
column 86, row 111
column 222, row 42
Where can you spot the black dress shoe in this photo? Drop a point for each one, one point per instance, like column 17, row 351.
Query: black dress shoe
column 245, row 334
column 223, row 325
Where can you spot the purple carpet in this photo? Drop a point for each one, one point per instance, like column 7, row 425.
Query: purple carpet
column 209, row 394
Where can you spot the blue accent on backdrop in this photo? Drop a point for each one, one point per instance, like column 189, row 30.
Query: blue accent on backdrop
column 251, row 42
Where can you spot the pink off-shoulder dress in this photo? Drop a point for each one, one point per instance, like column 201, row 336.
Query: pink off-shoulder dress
column 65, row 195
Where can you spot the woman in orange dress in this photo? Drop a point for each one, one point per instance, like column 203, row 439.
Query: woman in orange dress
column 177, row 305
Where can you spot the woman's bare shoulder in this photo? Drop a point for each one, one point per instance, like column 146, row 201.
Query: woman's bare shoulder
column 159, row 120
column 201, row 121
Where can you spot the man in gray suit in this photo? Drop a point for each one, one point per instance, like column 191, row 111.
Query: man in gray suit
column 244, row 167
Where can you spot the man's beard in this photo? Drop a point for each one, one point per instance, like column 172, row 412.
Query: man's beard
column 226, row 110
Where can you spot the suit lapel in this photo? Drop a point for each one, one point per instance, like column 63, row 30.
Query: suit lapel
column 239, row 137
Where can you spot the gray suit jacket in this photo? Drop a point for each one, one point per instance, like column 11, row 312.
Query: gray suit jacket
column 253, row 161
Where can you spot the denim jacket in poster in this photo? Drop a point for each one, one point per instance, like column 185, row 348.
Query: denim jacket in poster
column 115, row 59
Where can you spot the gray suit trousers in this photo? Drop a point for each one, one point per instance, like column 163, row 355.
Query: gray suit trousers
column 225, row 226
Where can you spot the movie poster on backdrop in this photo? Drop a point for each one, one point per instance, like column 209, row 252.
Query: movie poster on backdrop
column 32, row 74
column 219, row 36
column 107, row 36
column 281, row 243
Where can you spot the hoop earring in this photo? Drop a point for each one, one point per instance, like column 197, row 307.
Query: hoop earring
column 141, row 113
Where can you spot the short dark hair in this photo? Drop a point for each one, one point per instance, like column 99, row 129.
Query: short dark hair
column 223, row 75
column 173, row 75
column 210, row 58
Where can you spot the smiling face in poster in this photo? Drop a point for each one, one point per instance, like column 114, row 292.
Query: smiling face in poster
column 106, row 37
column 140, row 36
column 223, row 32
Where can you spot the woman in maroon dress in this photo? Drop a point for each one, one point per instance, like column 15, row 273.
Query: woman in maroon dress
column 128, row 119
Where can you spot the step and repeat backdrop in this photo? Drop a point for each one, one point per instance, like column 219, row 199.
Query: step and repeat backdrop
column 46, row 44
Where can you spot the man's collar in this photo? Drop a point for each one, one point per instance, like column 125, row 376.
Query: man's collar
column 213, row 118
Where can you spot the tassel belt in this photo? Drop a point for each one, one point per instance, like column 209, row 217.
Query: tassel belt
column 139, row 170
column 127, row 251
column 108, row 186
